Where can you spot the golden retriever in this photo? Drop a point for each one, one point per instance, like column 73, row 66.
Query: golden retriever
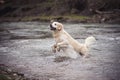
column 67, row 44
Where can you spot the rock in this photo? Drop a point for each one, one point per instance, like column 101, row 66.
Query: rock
column 14, row 74
column 52, row 79
column 9, row 70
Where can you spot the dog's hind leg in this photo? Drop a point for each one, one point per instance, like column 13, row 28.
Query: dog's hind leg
column 84, row 51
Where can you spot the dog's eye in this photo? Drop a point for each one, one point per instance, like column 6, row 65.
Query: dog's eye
column 55, row 24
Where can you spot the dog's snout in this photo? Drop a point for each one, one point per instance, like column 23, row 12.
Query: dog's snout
column 52, row 28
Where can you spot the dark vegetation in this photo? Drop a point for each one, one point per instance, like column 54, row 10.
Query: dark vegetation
column 8, row 74
column 67, row 10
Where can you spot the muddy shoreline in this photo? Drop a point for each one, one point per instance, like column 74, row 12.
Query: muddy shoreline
column 113, row 18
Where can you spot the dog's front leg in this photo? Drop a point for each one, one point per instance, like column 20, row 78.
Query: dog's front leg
column 54, row 48
column 62, row 44
column 58, row 46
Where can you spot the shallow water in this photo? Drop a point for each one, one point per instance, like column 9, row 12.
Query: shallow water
column 26, row 47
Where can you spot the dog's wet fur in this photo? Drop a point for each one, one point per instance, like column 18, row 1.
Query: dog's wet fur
column 64, row 42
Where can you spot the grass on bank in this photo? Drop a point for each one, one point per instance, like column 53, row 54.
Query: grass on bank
column 48, row 18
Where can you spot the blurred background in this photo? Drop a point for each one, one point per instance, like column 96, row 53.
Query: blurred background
column 63, row 10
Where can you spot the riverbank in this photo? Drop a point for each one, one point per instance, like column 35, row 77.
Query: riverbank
column 98, row 18
column 85, row 11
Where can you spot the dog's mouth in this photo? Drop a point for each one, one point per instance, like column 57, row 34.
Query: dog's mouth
column 52, row 28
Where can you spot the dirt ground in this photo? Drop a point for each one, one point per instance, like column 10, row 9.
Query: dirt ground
column 25, row 47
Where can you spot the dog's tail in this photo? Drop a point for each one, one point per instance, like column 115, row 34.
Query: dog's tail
column 89, row 41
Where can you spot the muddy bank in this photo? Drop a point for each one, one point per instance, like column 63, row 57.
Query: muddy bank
column 112, row 18
column 30, row 54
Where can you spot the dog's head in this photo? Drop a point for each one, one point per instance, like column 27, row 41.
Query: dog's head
column 56, row 26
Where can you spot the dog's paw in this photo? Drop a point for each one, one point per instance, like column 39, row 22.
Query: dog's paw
column 53, row 49
column 58, row 48
column 55, row 46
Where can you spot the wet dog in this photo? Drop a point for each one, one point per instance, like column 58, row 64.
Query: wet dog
column 70, row 47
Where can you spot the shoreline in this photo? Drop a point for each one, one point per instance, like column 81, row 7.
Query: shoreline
column 68, row 19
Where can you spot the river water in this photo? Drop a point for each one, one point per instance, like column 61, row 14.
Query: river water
column 26, row 48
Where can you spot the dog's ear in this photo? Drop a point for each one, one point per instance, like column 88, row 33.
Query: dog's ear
column 60, row 26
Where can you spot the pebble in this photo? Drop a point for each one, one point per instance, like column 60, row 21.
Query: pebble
column 9, row 70
column 14, row 74
column 52, row 79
